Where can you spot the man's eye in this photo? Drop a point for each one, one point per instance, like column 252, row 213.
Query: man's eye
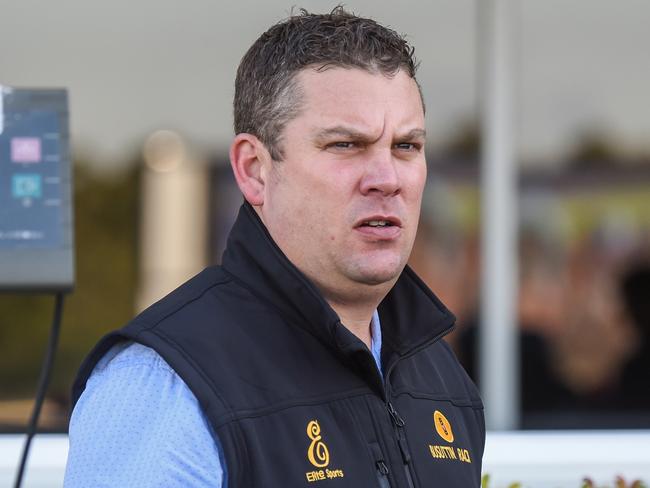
column 342, row 145
column 407, row 146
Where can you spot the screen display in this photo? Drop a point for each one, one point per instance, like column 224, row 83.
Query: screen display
column 30, row 199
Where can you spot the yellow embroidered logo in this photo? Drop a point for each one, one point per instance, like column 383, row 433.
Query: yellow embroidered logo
column 443, row 427
column 319, row 456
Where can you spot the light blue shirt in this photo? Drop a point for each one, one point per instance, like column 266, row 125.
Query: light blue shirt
column 137, row 424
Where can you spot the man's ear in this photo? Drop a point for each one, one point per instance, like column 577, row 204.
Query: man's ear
column 249, row 158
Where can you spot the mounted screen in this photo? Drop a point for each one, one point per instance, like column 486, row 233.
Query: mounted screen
column 36, row 232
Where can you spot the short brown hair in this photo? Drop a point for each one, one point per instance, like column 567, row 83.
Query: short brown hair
column 267, row 95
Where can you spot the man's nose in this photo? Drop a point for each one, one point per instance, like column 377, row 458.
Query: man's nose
column 381, row 174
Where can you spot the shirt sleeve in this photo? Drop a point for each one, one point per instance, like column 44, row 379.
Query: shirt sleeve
column 137, row 424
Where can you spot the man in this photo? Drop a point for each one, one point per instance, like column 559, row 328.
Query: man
column 312, row 356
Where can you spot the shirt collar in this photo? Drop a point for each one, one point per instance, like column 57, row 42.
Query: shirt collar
column 375, row 339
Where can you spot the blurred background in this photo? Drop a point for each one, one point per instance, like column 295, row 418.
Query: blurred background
column 151, row 85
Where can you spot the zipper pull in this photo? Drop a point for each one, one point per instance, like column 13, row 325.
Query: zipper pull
column 382, row 474
column 397, row 420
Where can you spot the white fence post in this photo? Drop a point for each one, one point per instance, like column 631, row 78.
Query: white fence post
column 499, row 368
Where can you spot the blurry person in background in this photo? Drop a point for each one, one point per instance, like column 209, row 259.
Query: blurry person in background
column 635, row 380
column 539, row 310
column 596, row 334
column 313, row 353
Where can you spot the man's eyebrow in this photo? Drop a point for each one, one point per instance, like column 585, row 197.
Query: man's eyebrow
column 341, row 131
column 413, row 134
column 349, row 132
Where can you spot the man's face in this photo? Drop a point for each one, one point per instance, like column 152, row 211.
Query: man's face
column 344, row 203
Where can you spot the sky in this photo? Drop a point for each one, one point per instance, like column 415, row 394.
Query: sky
column 132, row 67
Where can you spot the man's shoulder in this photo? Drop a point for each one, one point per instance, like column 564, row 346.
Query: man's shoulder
column 187, row 314
column 138, row 414
column 128, row 355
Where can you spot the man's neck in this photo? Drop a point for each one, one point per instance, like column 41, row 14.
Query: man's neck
column 355, row 306
column 357, row 318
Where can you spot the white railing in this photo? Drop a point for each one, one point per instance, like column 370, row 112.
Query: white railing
column 46, row 463
column 554, row 459
column 538, row 459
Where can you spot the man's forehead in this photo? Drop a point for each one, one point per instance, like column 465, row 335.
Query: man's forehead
column 360, row 108
column 333, row 74
column 354, row 95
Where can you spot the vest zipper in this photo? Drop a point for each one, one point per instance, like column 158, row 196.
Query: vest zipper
column 382, row 474
column 380, row 464
column 399, row 423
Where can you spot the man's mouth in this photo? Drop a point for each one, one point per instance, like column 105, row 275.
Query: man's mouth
column 380, row 227
column 377, row 223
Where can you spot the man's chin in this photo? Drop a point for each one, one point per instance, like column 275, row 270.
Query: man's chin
column 378, row 276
